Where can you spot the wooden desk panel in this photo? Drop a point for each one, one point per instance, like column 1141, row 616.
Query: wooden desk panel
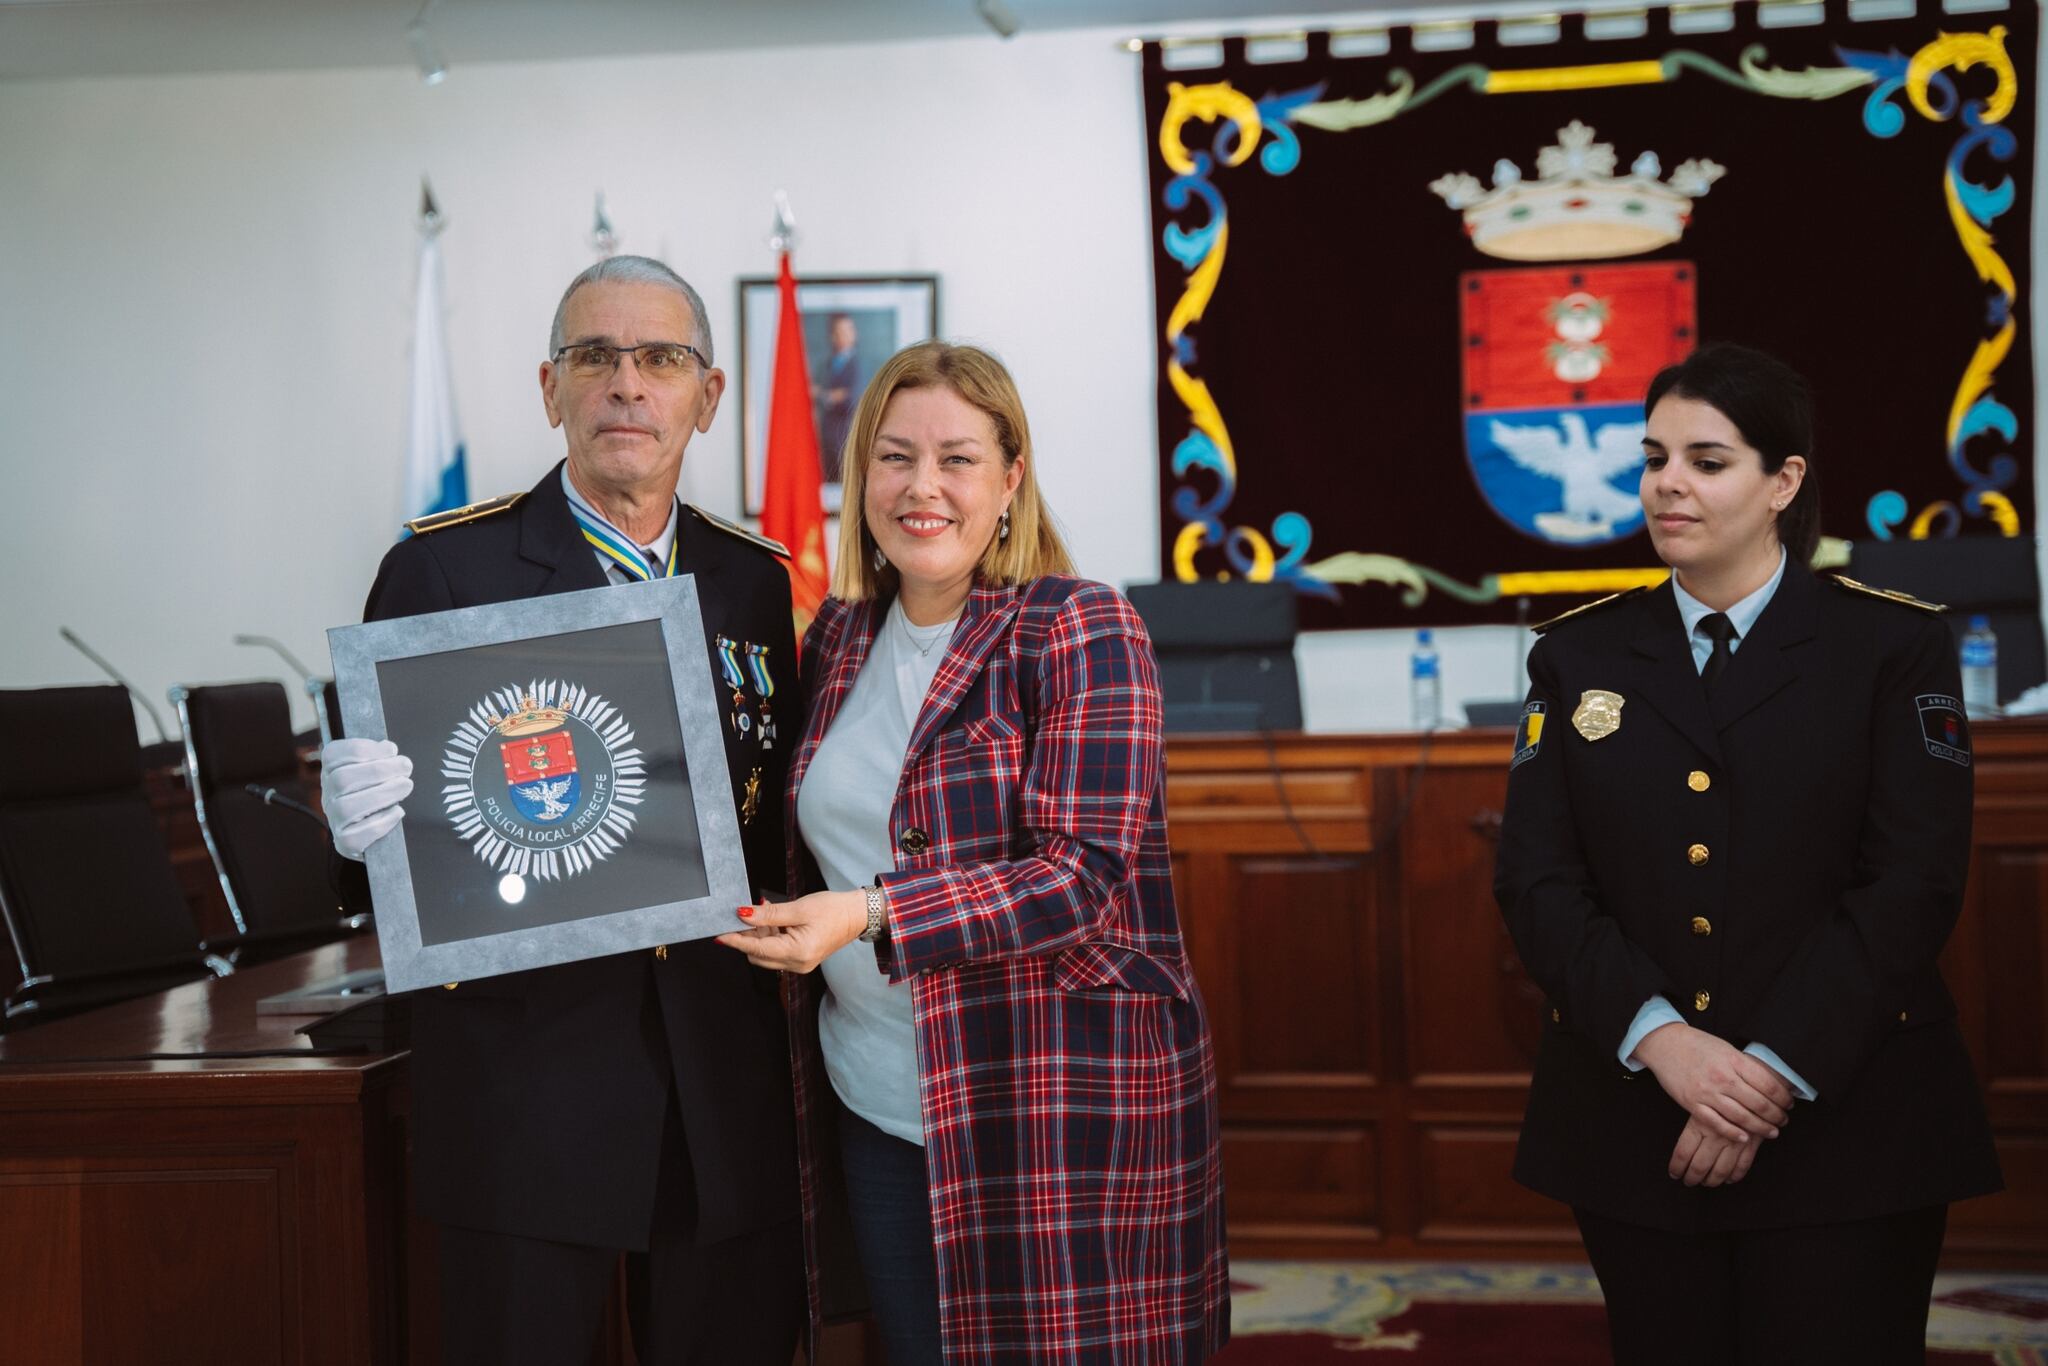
column 1375, row 1030
column 247, row 1210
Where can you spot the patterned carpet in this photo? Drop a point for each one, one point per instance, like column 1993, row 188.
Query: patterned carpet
column 1508, row 1314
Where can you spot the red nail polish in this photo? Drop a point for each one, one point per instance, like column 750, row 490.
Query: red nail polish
column 746, row 912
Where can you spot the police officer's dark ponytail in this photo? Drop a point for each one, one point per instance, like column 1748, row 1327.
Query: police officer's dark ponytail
column 1771, row 406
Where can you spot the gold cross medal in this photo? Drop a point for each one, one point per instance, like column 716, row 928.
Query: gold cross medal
column 1599, row 713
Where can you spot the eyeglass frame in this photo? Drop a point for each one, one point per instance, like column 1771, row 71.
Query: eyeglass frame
column 703, row 361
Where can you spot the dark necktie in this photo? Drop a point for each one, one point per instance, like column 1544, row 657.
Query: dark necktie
column 1716, row 627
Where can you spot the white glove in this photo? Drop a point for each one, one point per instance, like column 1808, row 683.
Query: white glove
column 361, row 784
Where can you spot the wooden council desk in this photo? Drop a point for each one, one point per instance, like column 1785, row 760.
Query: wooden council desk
column 234, row 1210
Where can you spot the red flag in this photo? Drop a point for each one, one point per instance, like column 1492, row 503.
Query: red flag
column 792, row 510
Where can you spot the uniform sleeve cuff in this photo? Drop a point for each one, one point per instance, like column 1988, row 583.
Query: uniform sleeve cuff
column 1655, row 1014
column 1777, row 1064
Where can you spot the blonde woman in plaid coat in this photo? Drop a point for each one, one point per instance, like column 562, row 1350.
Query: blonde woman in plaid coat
column 1002, row 1065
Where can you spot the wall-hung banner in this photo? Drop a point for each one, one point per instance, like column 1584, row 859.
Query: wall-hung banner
column 1409, row 302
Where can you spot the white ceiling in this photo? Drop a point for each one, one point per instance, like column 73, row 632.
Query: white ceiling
column 47, row 39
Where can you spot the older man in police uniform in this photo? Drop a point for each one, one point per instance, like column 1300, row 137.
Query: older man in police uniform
column 638, row 1102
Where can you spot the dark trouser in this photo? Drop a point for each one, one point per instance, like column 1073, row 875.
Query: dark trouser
column 889, row 1197
column 511, row 1301
column 1829, row 1292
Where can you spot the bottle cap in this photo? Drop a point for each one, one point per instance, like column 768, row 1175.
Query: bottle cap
column 1980, row 622
column 1422, row 636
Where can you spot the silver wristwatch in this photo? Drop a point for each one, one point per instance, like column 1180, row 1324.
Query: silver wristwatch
column 874, row 929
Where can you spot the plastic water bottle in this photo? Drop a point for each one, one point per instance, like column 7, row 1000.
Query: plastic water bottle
column 1425, row 684
column 1980, row 668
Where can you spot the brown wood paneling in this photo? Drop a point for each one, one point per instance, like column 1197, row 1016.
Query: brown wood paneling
column 1291, row 1179
column 42, row 1310
column 1469, row 1196
column 1367, row 999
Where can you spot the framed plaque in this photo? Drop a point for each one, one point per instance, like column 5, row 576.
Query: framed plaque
column 570, row 795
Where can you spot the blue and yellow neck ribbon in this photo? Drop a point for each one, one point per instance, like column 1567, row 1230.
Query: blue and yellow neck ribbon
column 616, row 546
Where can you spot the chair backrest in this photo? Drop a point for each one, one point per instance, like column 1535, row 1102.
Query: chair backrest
column 87, row 883
column 275, row 859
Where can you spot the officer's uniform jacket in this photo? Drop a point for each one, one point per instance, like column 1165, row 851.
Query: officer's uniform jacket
column 539, row 1097
column 1064, row 1064
column 1783, row 863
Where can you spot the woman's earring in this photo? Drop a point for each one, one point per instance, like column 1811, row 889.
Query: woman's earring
column 881, row 560
column 1003, row 527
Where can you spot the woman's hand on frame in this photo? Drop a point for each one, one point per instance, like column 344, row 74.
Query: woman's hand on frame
column 796, row 936
column 1724, row 1090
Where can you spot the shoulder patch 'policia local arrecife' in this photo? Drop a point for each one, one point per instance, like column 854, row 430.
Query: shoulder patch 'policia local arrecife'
column 1528, row 735
column 1943, row 728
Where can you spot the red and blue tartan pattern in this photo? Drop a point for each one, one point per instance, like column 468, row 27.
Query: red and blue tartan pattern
column 1065, row 1069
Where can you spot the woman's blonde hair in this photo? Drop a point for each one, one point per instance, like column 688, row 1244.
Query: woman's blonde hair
column 1033, row 546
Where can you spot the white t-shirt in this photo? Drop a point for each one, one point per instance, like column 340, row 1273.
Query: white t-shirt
column 842, row 811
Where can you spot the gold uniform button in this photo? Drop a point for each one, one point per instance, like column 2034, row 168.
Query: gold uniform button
column 1701, row 1000
column 1698, row 781
column 1698, row 854
column 1555, row 1018
column 1902, row 1017
column 661, row 953
column 451, row 986
column 1702, row 926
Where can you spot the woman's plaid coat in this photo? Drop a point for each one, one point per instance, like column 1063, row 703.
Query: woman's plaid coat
column 1064, row 1064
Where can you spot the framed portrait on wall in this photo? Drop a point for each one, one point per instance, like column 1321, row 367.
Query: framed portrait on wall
column 570, row 795
column 852, row 323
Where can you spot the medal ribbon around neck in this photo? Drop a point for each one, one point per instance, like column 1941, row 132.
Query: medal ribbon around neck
column 619, row 548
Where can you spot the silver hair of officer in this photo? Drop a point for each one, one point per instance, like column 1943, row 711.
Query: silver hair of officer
column 635, row 270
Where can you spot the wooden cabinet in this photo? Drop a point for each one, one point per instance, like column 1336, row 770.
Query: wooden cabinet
column 1375, row 1031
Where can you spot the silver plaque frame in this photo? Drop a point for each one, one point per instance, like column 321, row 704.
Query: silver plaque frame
column 410, row 963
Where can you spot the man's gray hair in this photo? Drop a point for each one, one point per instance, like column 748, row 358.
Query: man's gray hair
column 635, row 270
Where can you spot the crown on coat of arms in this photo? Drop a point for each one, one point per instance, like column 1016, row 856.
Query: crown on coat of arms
column 528, row 718
column 1577, row 209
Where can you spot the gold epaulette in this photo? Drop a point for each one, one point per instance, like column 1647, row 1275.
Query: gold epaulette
column 1586, row 607
column 773, row 547
column 1888, row 594
column 441, row 521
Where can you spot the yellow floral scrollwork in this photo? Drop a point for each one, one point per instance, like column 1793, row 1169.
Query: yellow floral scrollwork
column 1963, row 51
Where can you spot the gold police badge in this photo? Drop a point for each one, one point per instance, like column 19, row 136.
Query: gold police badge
column 1599, row 713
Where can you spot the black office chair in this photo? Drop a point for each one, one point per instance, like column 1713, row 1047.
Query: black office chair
column 1991, row 576
column 91, row 904
column 272, row 859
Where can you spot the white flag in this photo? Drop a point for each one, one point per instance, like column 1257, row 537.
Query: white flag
column 436, row 478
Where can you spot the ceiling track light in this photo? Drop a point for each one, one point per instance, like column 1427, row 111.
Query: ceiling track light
column 426, row 53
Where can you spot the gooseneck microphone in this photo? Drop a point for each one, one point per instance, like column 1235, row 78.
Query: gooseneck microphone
column 71, row 639
column 270, row 796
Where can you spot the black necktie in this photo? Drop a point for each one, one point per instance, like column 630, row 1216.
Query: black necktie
column 1716, row 627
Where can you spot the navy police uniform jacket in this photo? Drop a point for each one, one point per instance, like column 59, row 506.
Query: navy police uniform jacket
column 539, row 1098
column 1782, row 862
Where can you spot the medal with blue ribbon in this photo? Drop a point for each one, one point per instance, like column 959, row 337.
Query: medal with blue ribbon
column 764, row 686
column 729, row 669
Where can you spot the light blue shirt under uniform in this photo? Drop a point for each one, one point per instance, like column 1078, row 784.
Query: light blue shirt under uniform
column 1657, row 1011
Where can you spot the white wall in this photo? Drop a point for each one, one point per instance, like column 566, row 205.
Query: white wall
column 205, row 293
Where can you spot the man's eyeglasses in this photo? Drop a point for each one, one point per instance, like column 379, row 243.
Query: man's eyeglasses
column 656, row 360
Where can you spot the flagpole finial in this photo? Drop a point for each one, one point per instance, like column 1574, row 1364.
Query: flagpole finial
column 603, row 240
column 431, row 222
column 783, row 237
